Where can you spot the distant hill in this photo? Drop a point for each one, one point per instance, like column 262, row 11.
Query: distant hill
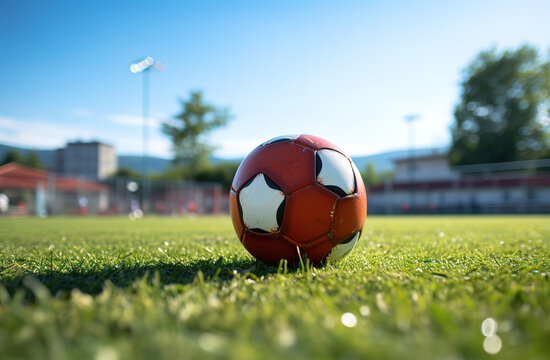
column 382, row 162
column 47, row 157
column 155, row 165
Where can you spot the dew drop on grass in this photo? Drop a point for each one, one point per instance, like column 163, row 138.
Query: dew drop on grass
column 441, row 234
column 286, row 337
column 364, row 310
column 489, row 327
column 492, row 344
column 349, row 320
column 166, row 243
column 211, row 343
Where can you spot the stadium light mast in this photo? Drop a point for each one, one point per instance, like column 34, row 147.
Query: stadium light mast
column 144, row 67
column 411, row 118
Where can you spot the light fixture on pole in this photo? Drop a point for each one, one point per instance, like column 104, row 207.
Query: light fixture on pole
column 144, row 67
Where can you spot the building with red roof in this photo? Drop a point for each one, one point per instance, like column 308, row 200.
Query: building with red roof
column 34, row 191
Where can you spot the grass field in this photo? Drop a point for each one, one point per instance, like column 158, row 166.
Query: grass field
column 166, row 288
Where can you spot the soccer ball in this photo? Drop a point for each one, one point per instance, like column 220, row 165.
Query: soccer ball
column 296, row 196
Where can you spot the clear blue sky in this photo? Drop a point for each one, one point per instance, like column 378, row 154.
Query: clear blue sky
column 348, row 71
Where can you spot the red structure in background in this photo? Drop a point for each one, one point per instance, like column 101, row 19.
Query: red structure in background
column 40, row 192
column 22, row 185
column 17, row 176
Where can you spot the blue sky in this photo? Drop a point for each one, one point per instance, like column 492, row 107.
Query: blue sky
column 348, row 71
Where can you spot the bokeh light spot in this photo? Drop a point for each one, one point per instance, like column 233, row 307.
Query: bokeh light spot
column 492, row 344
column 489, row 327
column 349, row 320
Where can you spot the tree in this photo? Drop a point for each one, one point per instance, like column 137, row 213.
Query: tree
column 221, row 173
column 13, row 156
column 371, row 177
column 33, row 160
column 498, row 117
column 189, row 129
column 126, row 172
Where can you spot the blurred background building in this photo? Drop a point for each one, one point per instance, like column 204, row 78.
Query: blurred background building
column 82, row 179
column 436, row 187
column 40, row 192
column 90, row 160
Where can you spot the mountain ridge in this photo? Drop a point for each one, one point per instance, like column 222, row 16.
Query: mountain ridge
column 157, row 165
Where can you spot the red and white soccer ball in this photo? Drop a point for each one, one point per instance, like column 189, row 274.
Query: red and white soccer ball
column 298, row 195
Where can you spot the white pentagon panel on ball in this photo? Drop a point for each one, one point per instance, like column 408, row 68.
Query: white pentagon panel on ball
column 334, row 172
column 260, row 204
column 343, row 249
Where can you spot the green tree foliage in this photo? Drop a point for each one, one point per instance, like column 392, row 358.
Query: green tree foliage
column 126, row 172
column 189, row 129
column 499, row 114
column 371, row 177
column 13, row 156
column 32, row 160
column 222, row 173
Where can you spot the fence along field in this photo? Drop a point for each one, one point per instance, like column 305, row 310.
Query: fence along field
column 414, row 287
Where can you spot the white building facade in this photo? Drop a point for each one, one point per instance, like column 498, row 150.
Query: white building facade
column 89, row 160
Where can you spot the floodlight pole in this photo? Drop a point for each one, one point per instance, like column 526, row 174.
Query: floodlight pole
column 144, row 67
column 146, row 95
column 411, row 119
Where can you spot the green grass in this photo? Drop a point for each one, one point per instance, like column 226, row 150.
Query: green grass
column 167, row 288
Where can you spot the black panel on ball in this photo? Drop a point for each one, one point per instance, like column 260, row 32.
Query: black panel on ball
column 318, row 164
column 348, row 240
column 336, row 189
column 271, row 184
column 280, row 212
